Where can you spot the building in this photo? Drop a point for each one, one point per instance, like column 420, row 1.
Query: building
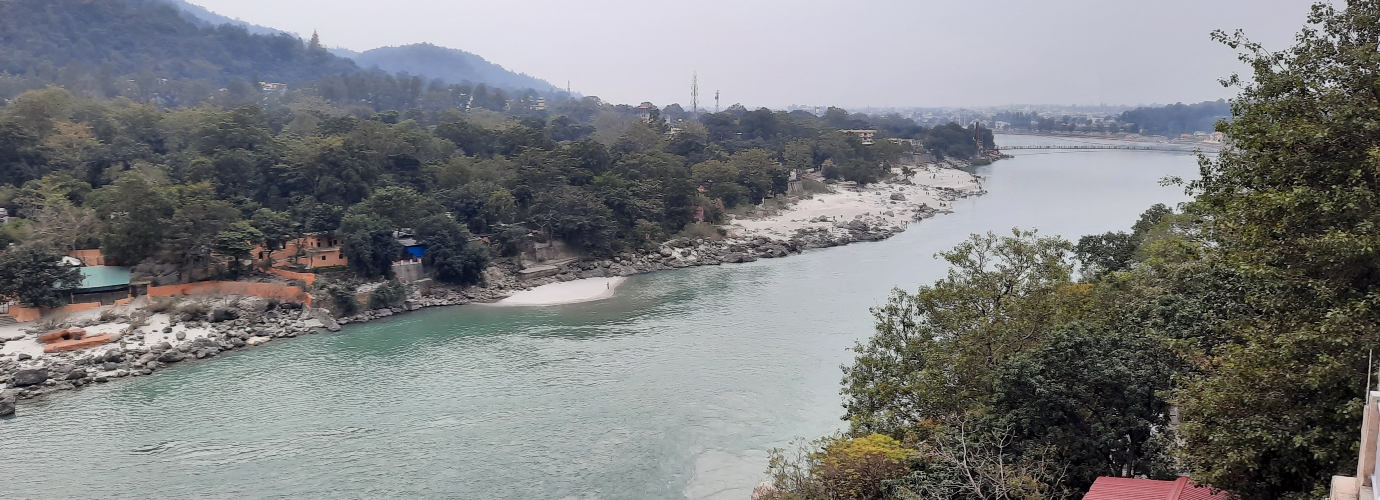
column 101, row 284
column 4, row 215
column 1126, row 488
column 273, row 87
column 866, row 135
column 1362, row 485
column 310, row 251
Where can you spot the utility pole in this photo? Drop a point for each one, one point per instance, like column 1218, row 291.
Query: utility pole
column 695, row 95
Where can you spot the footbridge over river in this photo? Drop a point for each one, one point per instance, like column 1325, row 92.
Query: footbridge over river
column 1167, row 147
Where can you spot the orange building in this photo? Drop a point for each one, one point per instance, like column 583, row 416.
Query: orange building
column 88, row 257
column 310, row 251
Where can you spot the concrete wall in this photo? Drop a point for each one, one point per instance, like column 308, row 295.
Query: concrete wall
column 408, row 270
column 24, row 314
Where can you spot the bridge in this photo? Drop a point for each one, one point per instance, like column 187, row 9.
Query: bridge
column 1177, row 148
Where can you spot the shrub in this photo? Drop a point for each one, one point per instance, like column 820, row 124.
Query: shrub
column 343, row 298
column 388, row 295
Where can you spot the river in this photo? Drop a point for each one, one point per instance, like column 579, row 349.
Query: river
column 675, row 388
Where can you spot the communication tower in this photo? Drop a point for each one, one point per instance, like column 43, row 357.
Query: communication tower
column 716, row 101
column 695, row 95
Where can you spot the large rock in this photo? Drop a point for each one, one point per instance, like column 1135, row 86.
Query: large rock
column 898, row 196
column 773, row 251
column 24, row 378
column 171, row 356
column 6, row 405
column 221, row 314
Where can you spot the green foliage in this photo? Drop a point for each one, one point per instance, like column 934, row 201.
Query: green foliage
column 129, row 37
column 236, row 241
column 387, row 295
column 838, row 467
column 35, row 277
column 343, row 298
column 368, row 245
column 1086, row 377
column 1292, row 208
column 449, row 252
column 936, row 353
column 1177, row 118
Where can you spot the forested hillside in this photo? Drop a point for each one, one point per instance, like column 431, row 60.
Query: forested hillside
column 151, row 184
column 1176, row 119
column 110, row 38
column 451, row 65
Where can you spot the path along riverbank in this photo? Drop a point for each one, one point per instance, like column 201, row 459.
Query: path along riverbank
column 154, row 334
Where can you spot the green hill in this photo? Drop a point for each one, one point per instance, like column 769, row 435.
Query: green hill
column 123, row 37
column 451, row 65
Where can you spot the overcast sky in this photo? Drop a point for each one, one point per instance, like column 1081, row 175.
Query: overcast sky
column 847, row 53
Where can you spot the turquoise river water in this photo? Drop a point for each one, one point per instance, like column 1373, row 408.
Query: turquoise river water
column 675, row 388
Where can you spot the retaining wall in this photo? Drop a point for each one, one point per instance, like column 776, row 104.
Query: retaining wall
column 265, row 290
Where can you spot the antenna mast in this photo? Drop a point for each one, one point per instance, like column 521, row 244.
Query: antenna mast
column 695, row 95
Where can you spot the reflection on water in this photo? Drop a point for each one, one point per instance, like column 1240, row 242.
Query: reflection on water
column 675, row 388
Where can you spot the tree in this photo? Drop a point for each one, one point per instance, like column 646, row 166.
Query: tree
column 1107, row 252
column 399, row 207
column 1292, row 206
column 135, row 216
column 449, row 252
column 838, row 467
column 36, row 277
column 236, row 241
column 1090, row 395
column 936, row 353
column 368, row 244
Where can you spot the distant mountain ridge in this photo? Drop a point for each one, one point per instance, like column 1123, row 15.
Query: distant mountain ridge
column 202, row 17
column 423, row 59
column 451, row 65
column 124, row 37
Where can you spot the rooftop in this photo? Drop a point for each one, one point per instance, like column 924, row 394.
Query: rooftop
column 97, row 278
column 1125, row 488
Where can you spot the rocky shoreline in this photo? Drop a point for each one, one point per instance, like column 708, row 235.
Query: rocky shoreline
column 202, row 328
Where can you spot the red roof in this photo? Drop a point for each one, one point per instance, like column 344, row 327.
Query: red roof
column 1125, row 488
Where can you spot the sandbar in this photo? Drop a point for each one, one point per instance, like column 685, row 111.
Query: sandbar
column 569, row 292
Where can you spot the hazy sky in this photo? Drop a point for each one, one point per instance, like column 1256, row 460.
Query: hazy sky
column 847, row 53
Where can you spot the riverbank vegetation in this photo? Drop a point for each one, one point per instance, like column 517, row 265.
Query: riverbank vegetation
column 1038, row 364
column 157, row 177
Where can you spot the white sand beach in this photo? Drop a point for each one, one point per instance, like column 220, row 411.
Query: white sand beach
column 932, row 186
column 569, row 292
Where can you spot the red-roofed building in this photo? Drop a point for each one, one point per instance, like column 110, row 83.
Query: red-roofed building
column 1125, row 488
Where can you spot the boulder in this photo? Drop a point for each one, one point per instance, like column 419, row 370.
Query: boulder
column 171, row 356
column 24, row 378
column 221, row 314
column 161, row 346
column 257, row 340
column 773, row 251
column 181, row 336
column 898, row 196
column 6, row 405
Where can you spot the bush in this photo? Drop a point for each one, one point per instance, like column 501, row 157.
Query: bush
column 343, row 298
column 838, row 467
column 388, row 295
